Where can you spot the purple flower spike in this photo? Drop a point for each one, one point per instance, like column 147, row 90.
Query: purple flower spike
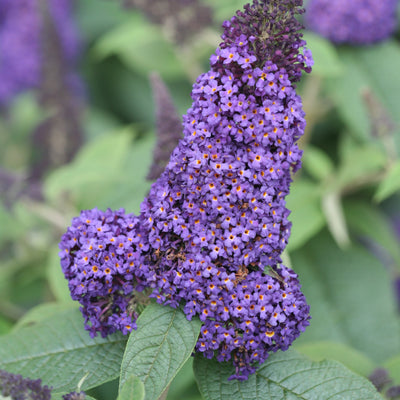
column 216, row 218
column 217, row 215
column 100, row 258
column 354, row 22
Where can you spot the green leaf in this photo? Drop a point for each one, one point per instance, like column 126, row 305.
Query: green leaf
column 393, row 366
column 141, row 46
column 60, row 352
column 285, row 375
column 351, row 298
column 359, row 166
column 364, row 69
column 391, row 183
column 43, row 312
column 317, row 163
column 57, row 282
column 95, row 171
column 5, row 325
column 327, row 350
column 326, row 59
column 160, row 346
column 132, row 389
column 333, row 211
column 130, row 192
column 306, row 214
column 366, row 220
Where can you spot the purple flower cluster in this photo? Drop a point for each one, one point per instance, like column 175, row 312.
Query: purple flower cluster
column 213, row 226
column 98, row 257
column 21, row 24
column 353, row 22
column 16, row 387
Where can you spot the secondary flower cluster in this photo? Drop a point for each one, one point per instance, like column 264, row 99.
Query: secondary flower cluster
column 213, row 226
column 21, row 23
column 98, row 257
column 352, row 22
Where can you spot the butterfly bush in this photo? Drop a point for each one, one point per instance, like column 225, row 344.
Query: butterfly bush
column 21, row 23
column 353, row 22
column 214, row 225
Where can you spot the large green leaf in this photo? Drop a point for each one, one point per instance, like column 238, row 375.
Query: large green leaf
column 351, row 298
column 60, row 352
column 304, row 201
column 285, row 375
column 159, row 347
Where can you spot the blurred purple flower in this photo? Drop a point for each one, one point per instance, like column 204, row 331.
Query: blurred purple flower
column 21, row 24
column 354, row 22
column 14, row 386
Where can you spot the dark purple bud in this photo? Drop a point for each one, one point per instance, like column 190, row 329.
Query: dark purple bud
column 168, row 127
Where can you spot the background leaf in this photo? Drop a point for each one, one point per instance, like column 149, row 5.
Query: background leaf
column 306, row 214
column 326, row 59
column 159, row 347
column 60, row 352
column 141, row 46
column 132, row 389
column 58, row 283
column 43, row 312
column 351, row 298
column 364, row 69
column 368, row 221
column 285, row 375
column 93, row 172
column 390, row 184
column 326, row 350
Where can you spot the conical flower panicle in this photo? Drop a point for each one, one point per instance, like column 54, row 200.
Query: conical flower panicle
column 353, row 22
column 217, row 216
column 213, row 227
